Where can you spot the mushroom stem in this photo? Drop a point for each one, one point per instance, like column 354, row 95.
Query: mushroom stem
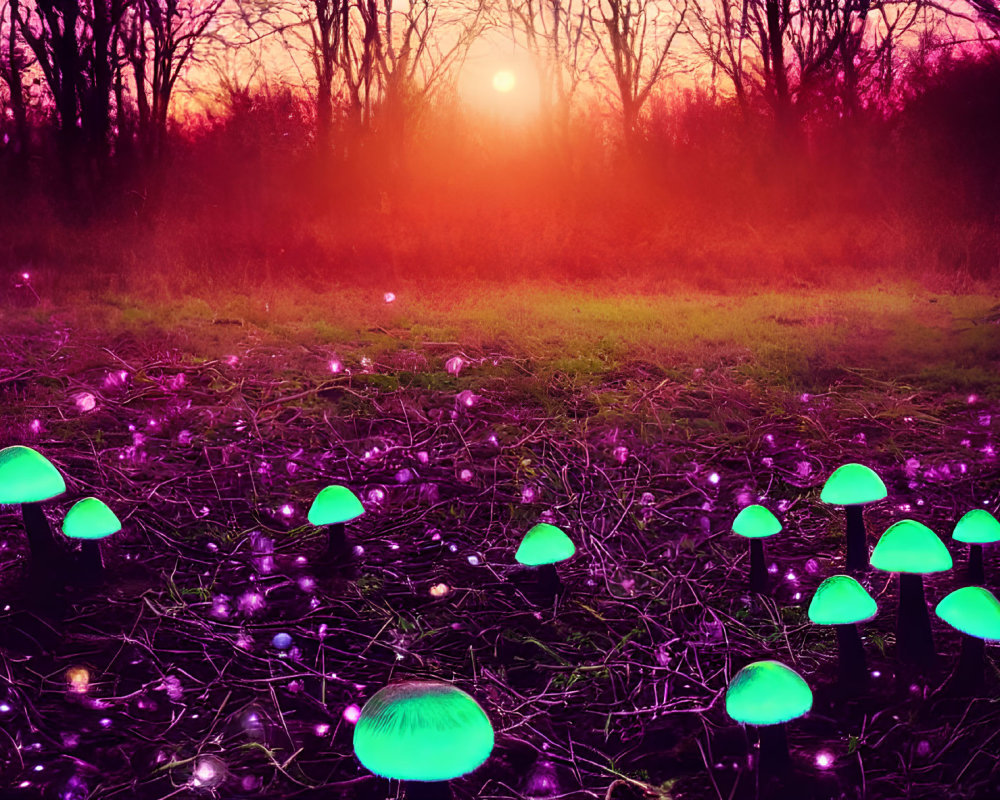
column 914, row 640
column 336, row 548
column 549, row 584
column 758, row 572
column 970, row 675
column 427, row 790
column 39, row 533
column 976, row 573
column 857, row 538
column 853, row 665
column 91, row 563
column 774, row 757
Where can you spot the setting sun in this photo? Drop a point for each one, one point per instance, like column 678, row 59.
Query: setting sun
column 504, row 81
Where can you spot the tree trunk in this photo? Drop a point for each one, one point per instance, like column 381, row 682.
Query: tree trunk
column 16, row 83
column 779, row 78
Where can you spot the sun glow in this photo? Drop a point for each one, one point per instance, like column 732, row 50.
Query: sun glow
column 504, row 81
column 500, row 82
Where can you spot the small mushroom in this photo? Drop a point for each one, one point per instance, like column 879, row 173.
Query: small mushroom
column 843, row 602
column 90, row 520
column 975, row 613
column 423, row 733
column 333, row 508
column 542, row 548
column 766, row 695
column 756, row 523
column 853, row 486
column 912, row 550
column 28, row 479
column 975, row 529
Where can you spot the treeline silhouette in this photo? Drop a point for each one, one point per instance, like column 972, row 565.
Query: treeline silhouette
column 708, row 193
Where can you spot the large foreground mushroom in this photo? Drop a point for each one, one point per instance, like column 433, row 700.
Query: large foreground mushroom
column 423, row 733
column 912, row 550
column 767, row 694
column 853, row 486
column 27, row 479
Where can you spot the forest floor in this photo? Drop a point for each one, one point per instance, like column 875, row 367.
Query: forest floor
column 640, row 424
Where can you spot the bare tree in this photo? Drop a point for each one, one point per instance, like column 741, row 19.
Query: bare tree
column 13, row 64
column 558, row 36
column 372, row 55
column 72, row 41
column 422, row 48
column 160, row 39
column 989, row 12
column 794, row 52
column 635, row 38
column 325, row 31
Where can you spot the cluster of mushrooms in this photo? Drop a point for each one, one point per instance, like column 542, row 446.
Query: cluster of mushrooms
column 767, row 694
column 423, row 733
column 426, row 733
column 28, row 479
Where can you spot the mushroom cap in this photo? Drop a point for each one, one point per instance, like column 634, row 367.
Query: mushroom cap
column 333, row 505
column 841, row 600
column 422, row 731
column 26, row 476
column 978, row 526
column 90, row 519
column 852, row 485
column 767, row 693
column 972, row 610
column 909, row 546
column 756, row 522
column 544, row 544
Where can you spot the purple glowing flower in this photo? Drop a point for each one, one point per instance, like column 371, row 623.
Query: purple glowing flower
column 467, row 398
column 85, row 402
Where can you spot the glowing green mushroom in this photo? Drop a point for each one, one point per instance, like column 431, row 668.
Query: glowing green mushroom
column 544, row 544
column 843, row 602
column 853, row 486
column 90, row 520
column 424, row 733
column 542, row 547
column 333, row 508
column 756, row 523
column 767, row 694
column 27, row 479
column 976, row 528
column 975, row 613
column 913, row 550
column 973, row 610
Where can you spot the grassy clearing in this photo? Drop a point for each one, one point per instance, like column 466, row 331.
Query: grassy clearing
column 797, row 340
